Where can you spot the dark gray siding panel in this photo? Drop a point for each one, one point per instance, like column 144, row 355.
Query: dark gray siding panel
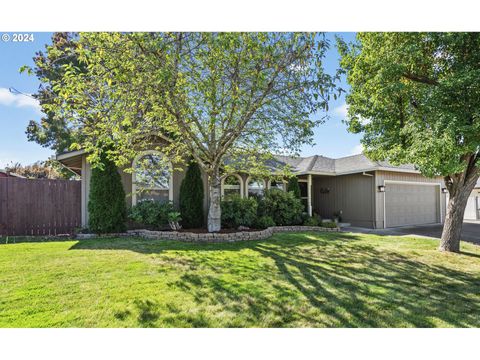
column 353, row 194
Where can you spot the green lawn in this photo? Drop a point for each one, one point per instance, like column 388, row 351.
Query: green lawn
column 291, row 280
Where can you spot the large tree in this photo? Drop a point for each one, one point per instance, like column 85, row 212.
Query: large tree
column 229, row 100
column 52, row 131
column 416, row 98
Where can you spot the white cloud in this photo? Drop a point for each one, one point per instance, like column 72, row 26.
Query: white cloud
column 358, row 149
column 18, row 100
column 341, row 110
column 364, row 121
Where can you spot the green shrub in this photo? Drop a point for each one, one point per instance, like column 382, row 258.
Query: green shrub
column 263, row 222
column 283, row 207
column 293, row 186
column 151, row 213
column 238, row 212
column 304, row 216
column 315, row 220
column 191, row 198
column 329, row 224
column 311, row 221
column 107, row 208
column 174, row 217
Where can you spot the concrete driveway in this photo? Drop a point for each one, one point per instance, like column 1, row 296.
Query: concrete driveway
column 470, row 231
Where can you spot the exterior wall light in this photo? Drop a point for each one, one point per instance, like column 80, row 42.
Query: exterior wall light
column 444, row 190
column 381, row 188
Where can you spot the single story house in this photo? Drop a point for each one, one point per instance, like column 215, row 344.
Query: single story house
column 5, row 174
column 367, row 193
column 472, row 211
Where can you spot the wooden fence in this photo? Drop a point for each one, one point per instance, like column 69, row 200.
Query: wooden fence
column 39, row 207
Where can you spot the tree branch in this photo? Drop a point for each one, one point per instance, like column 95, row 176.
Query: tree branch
column 420, row 79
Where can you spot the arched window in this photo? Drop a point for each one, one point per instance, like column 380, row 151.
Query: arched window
column 232, row 185
column 278, row 183
column 255, row 187
column 152, row 178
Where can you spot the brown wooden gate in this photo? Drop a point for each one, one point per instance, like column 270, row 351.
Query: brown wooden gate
column 39, row 206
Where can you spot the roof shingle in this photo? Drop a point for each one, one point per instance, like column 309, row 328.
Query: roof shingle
column 348, row 164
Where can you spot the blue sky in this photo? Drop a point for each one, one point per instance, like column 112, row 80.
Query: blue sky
column 331, row 138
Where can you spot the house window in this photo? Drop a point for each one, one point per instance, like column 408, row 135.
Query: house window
column 152, row 178
column 278, row 184
column 303, row 184
column 256, row 187
column 232, row 187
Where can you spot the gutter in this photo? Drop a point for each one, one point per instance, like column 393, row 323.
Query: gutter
column 376, row 168
column 69, row 155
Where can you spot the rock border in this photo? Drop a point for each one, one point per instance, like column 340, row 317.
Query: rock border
column 225, row 237
column 173, row 235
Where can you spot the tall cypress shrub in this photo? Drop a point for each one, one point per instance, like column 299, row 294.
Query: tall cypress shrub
column 294, row 187
column 191, row 197
column 106, row 205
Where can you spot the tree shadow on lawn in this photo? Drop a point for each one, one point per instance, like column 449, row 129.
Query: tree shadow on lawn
column 330, row 280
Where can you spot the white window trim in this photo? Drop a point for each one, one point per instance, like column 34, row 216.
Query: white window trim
column 247, row 187
column 134, row 175
column 304, row 181
column 240, row 180
column 308, row 180
column 269, row 184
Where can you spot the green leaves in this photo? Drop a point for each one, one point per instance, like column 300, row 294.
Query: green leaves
column 215, row 95
column 420, row 94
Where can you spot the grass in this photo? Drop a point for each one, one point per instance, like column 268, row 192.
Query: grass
column 291, row 280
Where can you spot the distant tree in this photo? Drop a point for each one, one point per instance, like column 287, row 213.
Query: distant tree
column 294, row 187
column 106, row 205
column 416, row 98
column 53, row 130
column 191, row 197
column 217, row 96
column 49, row 169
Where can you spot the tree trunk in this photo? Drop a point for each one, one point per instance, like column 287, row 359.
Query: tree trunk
column 459, row 192
column 214, row 211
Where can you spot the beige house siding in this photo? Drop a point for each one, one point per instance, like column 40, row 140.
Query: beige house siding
column 126, row 179
column 356, row 195
column 382, row 176
column 353, row 194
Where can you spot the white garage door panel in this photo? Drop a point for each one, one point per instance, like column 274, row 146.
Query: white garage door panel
column 411, row 204
column 471, row 209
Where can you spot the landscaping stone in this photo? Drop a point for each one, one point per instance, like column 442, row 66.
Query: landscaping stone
column 215, row 237
column 210, row 237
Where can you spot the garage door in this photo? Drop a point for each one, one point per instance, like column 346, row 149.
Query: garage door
column 471, row 211
column 411, row 204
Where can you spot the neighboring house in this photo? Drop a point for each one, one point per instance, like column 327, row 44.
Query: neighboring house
column 472, row 211
column 369, row 194
column 5, row 173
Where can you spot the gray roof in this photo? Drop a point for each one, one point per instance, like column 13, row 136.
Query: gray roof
column 345, row 165
column 315, row 164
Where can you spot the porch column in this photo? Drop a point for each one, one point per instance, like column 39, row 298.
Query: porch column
column 309, row 194
column 83, row 197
